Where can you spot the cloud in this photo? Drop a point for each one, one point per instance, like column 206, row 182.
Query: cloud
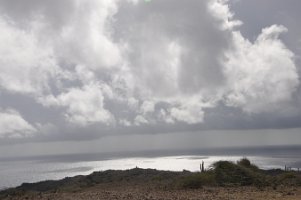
column 86, row 39
column 59, row 55
column 262, row 76
column 221, row 10
column 47, row 43
column 105, row 64
column 84, row 106
column 140, row 120
column 76, row 31
column 20, row 51
column 171, row 51
column 190, row 115
column 12, row 125
column 147, row 107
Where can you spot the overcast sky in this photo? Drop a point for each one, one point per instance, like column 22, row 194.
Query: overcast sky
column 131, row 70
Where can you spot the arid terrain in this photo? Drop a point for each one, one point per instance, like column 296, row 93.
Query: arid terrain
column 143, row 192
column 225, row 180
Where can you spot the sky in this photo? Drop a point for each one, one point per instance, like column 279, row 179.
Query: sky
column 115, row 75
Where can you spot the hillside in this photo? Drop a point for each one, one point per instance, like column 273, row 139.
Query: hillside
column 239, row 180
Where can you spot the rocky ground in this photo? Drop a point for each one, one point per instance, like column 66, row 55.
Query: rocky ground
column 141, row 192
column 225, row 181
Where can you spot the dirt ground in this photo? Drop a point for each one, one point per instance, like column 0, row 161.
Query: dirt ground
column 144, row 193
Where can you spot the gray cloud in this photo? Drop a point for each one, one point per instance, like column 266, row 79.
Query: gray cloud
column 172, row 47
column 12, row 125
column 77, row 70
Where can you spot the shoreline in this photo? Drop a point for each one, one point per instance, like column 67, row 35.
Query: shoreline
column 15, row 173
column 225, row 180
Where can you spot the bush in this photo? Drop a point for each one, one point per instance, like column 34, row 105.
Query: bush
column 244, row 162
column 225, row 173
column 289, row 178
column 228, row 173
column 197, row 180
column 191, row 182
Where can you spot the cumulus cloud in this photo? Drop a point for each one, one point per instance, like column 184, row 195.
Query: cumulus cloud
column 190, row 114
column 170, row 50
column 221, row 10
column 77, row 31
column 86, row 40
column 147, row 107
column 130, row 63
column 25, row 65
column 84, row 106
column 261, row 75
column 12, row 125
column 55, row 46
column 140, row 120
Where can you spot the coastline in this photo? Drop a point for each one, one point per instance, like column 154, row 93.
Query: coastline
column 15, row 171
column 227, row 180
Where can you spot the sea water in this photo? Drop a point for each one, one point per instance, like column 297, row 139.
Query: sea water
column 15, row 171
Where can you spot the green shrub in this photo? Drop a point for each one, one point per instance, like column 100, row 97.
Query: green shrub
column 191, row 182
column 197, row 180
column 289, row 178
column 228, row 173
column 244, row 162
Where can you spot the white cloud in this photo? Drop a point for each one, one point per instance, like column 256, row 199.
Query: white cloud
column 46, row 44
column 190, row 110
column 64, row 57
column 133, row 103
column 12, row 125
column 56, row 57
column 220, row 9
column 190, row 116
column 140, row 120
column 170, row 60
column 165, row 117
column 86, row 40
column 130, row 63
column 125, row 122
column 84, row 106
column 262, row 76
column 25, row 65
column 147, row 107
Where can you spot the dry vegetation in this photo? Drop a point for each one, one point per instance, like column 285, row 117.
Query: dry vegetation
column 225, row 180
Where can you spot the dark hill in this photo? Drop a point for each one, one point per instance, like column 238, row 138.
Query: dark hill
column 221, row 174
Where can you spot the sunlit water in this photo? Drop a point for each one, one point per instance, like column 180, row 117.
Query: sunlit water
column 14, row 172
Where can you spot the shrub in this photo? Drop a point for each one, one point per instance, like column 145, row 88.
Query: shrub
column 244, row 162
column 228, row 173
column 197, row 180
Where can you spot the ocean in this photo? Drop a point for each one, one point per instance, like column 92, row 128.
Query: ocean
column 17, row 170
